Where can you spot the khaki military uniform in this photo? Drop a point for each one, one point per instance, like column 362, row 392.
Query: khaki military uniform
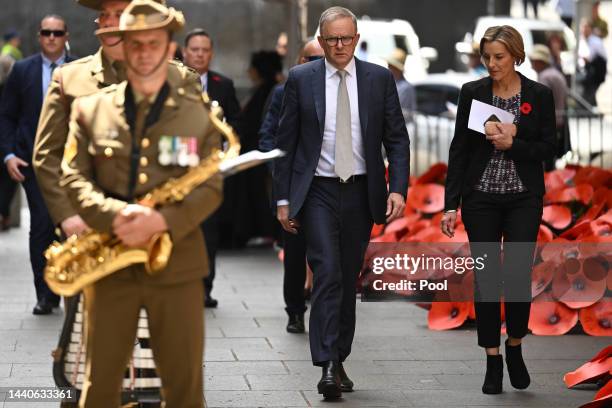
column 78, row 78
column 97, row 166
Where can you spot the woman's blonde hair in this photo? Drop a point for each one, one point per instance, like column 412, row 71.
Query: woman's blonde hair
column 508, row 36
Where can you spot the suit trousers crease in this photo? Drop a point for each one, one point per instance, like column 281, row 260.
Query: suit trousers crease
column 42, row 234
column 337, row 222
column 176, row 325
column 488, row 218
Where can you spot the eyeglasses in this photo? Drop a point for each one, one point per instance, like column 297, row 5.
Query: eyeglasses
column 333, row 41
column 311, row 58
column 55, row 33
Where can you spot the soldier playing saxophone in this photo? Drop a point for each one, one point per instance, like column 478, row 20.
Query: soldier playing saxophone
column 123, row 142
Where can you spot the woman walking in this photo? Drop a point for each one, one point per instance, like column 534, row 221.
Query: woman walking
column 497, row 179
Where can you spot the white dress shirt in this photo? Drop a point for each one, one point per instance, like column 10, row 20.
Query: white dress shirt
column 326, row 164
column 204, row 81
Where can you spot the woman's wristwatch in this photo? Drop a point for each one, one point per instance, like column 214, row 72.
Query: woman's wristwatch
column 450, row 211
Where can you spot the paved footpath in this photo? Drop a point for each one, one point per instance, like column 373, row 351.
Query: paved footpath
column 252, row 362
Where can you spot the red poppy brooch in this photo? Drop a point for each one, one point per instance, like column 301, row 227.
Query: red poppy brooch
column 216, row 78
column 526, row 108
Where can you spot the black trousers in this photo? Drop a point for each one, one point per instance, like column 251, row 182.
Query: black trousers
column 7, row 191
column 210, row 228
column 42, row 234
column 294, row 276
column 516, row 218
column 337, row 223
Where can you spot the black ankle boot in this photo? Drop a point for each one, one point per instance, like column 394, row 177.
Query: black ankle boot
column 517, row 371
column 495, row 374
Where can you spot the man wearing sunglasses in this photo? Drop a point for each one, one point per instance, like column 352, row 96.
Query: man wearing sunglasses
column 83, row 77
column 20, row 107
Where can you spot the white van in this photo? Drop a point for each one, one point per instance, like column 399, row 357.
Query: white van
column 384, row 36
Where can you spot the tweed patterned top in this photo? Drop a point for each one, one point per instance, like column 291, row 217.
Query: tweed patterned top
column 500, row 175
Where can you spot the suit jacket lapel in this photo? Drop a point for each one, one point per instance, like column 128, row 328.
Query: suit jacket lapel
column 485, row 93
column 363, row 90
column 318, row 89
column 37, row 75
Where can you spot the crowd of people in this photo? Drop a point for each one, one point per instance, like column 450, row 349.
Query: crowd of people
column 87, row 137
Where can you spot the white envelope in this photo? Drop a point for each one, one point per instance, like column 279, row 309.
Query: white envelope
column 480, row 112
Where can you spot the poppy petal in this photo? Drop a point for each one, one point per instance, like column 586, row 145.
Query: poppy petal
column 436, row 174
column 427, row 198
column 588, row 373
column 597, row 319
column 603, row 398
column 582, row 192
column 447, row 315
column 557, row 216
column 550, row 318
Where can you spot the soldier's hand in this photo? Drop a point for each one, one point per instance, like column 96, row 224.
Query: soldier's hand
column 282, row 214
column 12, row 165
column 74, row 225
column 135, row 225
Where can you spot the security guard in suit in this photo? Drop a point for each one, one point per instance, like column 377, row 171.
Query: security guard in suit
column 82, row 77
column 123, row 142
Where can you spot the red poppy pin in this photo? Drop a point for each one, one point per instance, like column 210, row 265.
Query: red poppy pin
column 216, row 78
column 526, row 108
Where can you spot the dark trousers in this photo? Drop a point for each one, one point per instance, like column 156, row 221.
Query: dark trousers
column 7, row 191
column 210, row 228
column 516, row 218
column 42, row 234
column 294, row 277
column 337, row 222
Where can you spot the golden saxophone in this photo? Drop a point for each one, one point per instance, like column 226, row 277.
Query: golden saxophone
column 80, row 261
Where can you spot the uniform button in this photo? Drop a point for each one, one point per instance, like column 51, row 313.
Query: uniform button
column 181, row 91
column 143, row 178
column 144, row 162
column 145, row 143
column 108, row 152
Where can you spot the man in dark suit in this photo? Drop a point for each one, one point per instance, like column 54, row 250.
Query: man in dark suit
column 337, row 114
column 20, row 108
column 294, row 246
column 198, row 54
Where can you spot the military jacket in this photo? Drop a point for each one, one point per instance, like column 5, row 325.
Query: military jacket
column 78, row 78
column 98, row 162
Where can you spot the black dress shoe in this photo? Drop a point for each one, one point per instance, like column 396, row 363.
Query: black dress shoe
column 493, row 377
column 296, row 323
column 329, row 385
column 210, row 302
column 43, row 307
column 517, row 371
column 346, row 385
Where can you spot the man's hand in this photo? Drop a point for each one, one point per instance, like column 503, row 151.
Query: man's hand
column 135, row 225
column 74, row 225
column 395, row 206
column 12, row 165
column 282, row 214
column 447, row 225
column 502, row 136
